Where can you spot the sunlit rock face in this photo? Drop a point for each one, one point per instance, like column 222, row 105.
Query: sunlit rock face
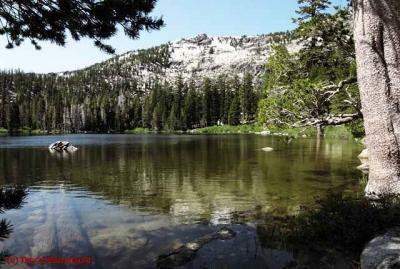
column 198, row 57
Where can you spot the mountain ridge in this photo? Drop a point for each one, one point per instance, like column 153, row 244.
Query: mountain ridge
column 190, row 58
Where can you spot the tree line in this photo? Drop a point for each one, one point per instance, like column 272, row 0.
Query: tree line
column 80, row 103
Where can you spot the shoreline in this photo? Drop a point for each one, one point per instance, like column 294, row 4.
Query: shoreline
column 332, row 132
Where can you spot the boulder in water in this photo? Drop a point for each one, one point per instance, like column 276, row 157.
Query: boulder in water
column 62, row 146
column 267, row 149
column 185, row 253
column 383, row 251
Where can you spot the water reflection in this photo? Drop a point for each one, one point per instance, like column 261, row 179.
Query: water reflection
column 11, row 197
column 124, row 199
column 192, row 177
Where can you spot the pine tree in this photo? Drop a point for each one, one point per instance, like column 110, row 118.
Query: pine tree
column 247, row 98
column 234, row 111
column 206, row 103
column 97, row 20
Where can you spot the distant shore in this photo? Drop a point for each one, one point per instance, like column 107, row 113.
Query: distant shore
column 333, row 132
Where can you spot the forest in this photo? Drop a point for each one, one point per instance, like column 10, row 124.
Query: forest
column 81, row 103
column 313, row 87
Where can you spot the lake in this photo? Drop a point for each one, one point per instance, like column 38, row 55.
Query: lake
column 125, row 199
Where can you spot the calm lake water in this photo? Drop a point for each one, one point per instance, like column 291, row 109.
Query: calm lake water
column 125, row 199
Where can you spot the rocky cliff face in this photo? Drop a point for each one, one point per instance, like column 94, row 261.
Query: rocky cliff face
column 198, row 57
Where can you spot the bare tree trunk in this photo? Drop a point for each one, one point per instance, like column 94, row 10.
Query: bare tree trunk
column 377, row 36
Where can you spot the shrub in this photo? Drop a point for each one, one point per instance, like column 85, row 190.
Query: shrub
column 138, row 131
column 228, row 129
column 3, row 131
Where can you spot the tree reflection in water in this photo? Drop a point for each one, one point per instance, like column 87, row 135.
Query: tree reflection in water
column 11, row 197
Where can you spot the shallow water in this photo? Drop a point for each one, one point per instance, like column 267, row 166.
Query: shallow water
column 124, row 199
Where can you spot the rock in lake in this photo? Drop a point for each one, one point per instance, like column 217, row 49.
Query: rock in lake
column 383, row 251
column 61, row 146
column 265, row 133
column 185, row 253
column 267, row 149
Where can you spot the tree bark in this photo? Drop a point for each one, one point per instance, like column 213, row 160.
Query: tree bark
column 377, row 38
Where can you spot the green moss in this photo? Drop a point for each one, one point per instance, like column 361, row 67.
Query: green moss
column 228, row 129
column 138, row 131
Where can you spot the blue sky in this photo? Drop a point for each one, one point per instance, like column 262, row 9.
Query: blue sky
column 184, row 18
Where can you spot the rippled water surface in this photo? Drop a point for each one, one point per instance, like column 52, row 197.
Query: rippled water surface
column 124, row 199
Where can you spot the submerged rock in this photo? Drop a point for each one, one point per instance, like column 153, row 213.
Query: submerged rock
column 60, row 146
column 267, row 149
column 383, row 251
column 186, row 253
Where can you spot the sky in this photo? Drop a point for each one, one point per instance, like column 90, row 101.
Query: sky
column 183, row 18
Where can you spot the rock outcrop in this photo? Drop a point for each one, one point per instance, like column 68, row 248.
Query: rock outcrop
column 198, row 57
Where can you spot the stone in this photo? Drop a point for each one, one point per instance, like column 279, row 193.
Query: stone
column 265, row 133
column 187, row 252
column 267, row 149
column 60, row 146
column 382, row 252
column 364, row 168
column 363, row 156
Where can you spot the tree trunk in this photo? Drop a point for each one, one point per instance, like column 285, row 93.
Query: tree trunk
column 320, row 131
column 377, row 38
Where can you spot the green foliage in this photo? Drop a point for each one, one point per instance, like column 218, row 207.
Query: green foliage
column 86, row 102
column 248, row 99
column 3, row 131
column 303, row 88
column 331, row 132
column 234, row 111
column 38, row 132
column 97, row 20
column 228, row 129
column 357, row 129
column 294, row 132
column 338, row 132
column 339, row 222
column 11, row 197
column 138, row 130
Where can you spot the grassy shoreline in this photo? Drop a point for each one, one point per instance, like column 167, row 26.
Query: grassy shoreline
column 331, row 132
